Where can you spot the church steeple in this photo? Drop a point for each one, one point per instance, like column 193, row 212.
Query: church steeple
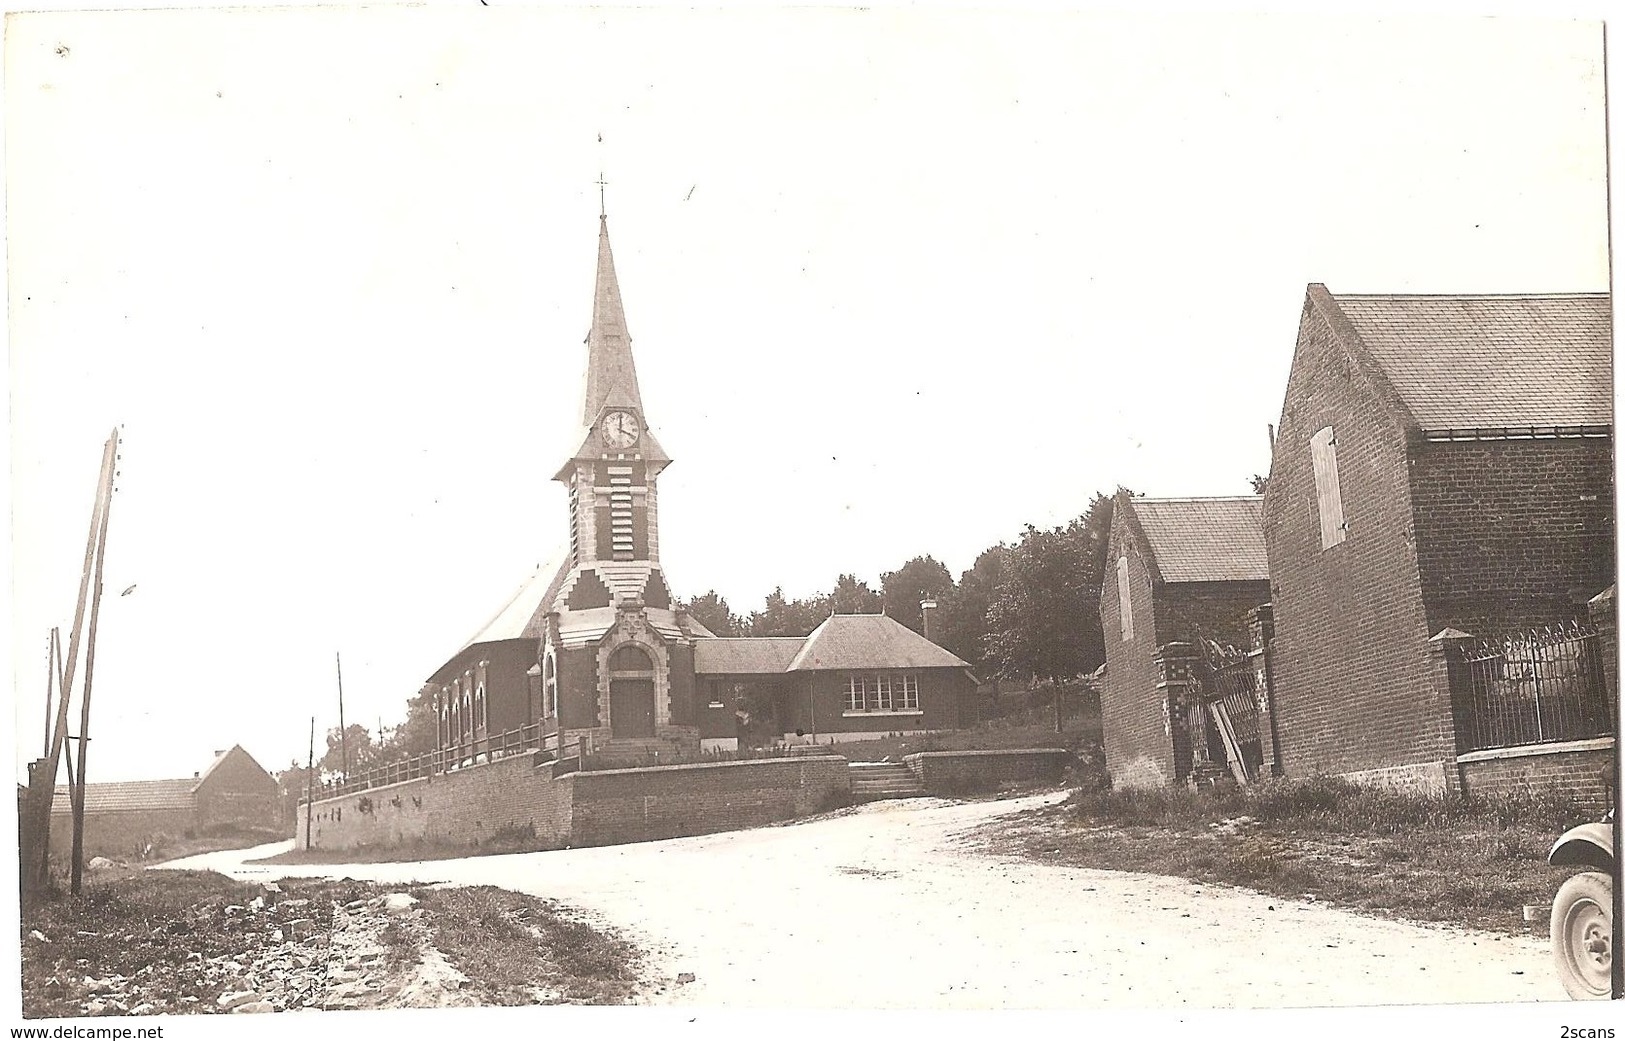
column 609, row 345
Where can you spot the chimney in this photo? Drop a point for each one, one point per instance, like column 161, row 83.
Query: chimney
column 928, row 609
column 218, row 752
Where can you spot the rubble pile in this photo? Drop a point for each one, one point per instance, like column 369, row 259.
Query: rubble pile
column 297, row 953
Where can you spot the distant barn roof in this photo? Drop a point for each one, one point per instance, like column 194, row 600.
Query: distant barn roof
column 870, row 641
column 1492, row 362
column 746, row 655
column 116, row 796
column 1205, row 540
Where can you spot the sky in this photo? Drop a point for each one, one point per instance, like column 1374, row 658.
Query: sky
column 898, row 284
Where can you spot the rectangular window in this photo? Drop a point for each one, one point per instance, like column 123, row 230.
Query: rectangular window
column 1125, row 606
column 854, row 694
column 909, row 696
column 882, row 699
column 1328, row 495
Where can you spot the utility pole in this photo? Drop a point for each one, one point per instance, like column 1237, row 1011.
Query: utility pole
column 310, row 781
column 344, row 748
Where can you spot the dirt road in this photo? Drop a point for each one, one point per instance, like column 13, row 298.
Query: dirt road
column 882, row 907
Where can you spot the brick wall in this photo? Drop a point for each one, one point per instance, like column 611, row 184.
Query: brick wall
column 958, row 773
column 239, row 791
column 121, row 834
column 1511, row 534
column 1138, row 750
column 1355, row 688
column 462, row 808
column 940, row 691
column 612, row 806
column 469, row 807
column 1577, row 767
column 1216, row 610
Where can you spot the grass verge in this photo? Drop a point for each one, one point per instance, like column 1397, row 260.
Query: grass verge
column 522, row 949
column 1470, row 862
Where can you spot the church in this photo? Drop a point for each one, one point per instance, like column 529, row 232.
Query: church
column 595, row 648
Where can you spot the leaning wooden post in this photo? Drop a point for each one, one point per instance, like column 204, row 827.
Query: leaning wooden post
column 344, row 749
column 78, row 786
column 59, row 733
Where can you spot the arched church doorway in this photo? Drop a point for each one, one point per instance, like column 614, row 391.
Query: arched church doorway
column 631, row 693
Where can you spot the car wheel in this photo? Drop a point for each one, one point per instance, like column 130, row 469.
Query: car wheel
column 1583, row 934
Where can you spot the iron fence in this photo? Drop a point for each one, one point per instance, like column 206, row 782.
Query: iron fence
column 1534, row 687
column 487, row 749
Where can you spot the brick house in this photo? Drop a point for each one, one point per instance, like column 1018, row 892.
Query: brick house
column 856, row 676
column 123, row 816
column 1185, row 570
column 1443, row 467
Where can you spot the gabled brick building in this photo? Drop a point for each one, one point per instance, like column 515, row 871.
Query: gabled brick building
column 1444, row 464
column 123, row 816
column 1178, row 570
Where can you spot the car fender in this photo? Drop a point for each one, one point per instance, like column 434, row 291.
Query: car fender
column 1589, row 845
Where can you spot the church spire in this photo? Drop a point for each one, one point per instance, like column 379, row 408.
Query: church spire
column 610, row 371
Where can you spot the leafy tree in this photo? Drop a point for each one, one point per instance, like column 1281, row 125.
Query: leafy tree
column 781, row 617
column 1045, row 618
column 414, row 737
column 357, row 746
column 853, row 596
column 965, row 614
column 923, row 578
column 712, row 611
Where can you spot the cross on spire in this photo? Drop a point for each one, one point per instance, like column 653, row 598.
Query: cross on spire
column 601, row 183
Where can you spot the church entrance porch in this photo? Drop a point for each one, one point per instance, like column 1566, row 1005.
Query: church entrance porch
column 632, row 707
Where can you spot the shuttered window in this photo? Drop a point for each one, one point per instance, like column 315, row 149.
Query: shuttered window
column 1328, row 495
column 1125, row 608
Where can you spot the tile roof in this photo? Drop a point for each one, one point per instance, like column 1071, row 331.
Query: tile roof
column 521, row 617
column 1206, row 540
column 870, row 641
column 742, row 655
column 114, row 796
column 1492, row 362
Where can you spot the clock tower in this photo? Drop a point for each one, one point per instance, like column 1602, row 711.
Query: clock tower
column 615, row 658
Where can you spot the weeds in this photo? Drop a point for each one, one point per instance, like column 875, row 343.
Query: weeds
column 1449, row 858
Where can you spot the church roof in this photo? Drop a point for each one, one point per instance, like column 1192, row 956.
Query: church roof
column 746, row 655
column 609, row 345
column 870, row 641
column 1205, row 539
column 1492, row 362
column 521, row 617
column 612, row 376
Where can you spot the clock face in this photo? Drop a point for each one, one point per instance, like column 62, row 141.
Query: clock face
column 620, row 429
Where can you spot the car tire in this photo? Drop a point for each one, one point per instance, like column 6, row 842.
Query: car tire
column 1583, row 934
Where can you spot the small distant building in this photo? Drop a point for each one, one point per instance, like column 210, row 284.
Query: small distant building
column 123, row 816
column 1443, row 471
column 1178, row 571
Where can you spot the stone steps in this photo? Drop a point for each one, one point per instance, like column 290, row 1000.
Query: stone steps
column 871, row 781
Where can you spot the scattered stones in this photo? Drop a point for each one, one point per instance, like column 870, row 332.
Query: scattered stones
column 231, row 999
column 255, row 1006
column 396, row 903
